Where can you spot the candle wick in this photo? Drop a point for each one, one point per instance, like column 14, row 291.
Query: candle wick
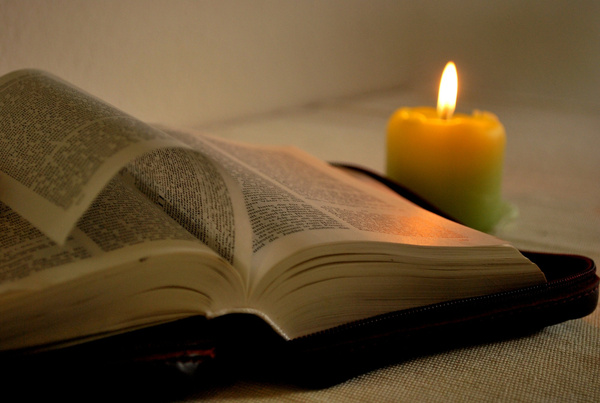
column 445, row 113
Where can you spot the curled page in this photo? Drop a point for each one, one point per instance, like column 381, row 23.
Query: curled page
column 60, row 146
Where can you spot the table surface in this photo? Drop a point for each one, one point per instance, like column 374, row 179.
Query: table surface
column 551, row 176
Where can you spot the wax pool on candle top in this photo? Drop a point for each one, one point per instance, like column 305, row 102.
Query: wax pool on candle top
column 455, row 164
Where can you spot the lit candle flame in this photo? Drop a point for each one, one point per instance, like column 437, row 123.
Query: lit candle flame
column 448, row 90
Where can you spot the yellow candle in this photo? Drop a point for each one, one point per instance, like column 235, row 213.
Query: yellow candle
column 452, row 161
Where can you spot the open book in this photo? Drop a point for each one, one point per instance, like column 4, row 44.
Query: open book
column 110, row 224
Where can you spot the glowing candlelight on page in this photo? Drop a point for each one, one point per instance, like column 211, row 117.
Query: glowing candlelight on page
column 453, row 161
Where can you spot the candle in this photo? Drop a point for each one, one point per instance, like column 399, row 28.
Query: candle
column 453, row 161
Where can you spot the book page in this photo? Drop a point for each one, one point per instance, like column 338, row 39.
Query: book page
column 126, row 265
column 292, row 195
column 120, row 218
column 59, row 146
column 192, row 189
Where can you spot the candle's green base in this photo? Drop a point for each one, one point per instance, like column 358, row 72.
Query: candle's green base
column 473, row 200
column 485, row 217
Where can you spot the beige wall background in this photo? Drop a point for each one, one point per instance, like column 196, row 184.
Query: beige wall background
column 195, row 62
